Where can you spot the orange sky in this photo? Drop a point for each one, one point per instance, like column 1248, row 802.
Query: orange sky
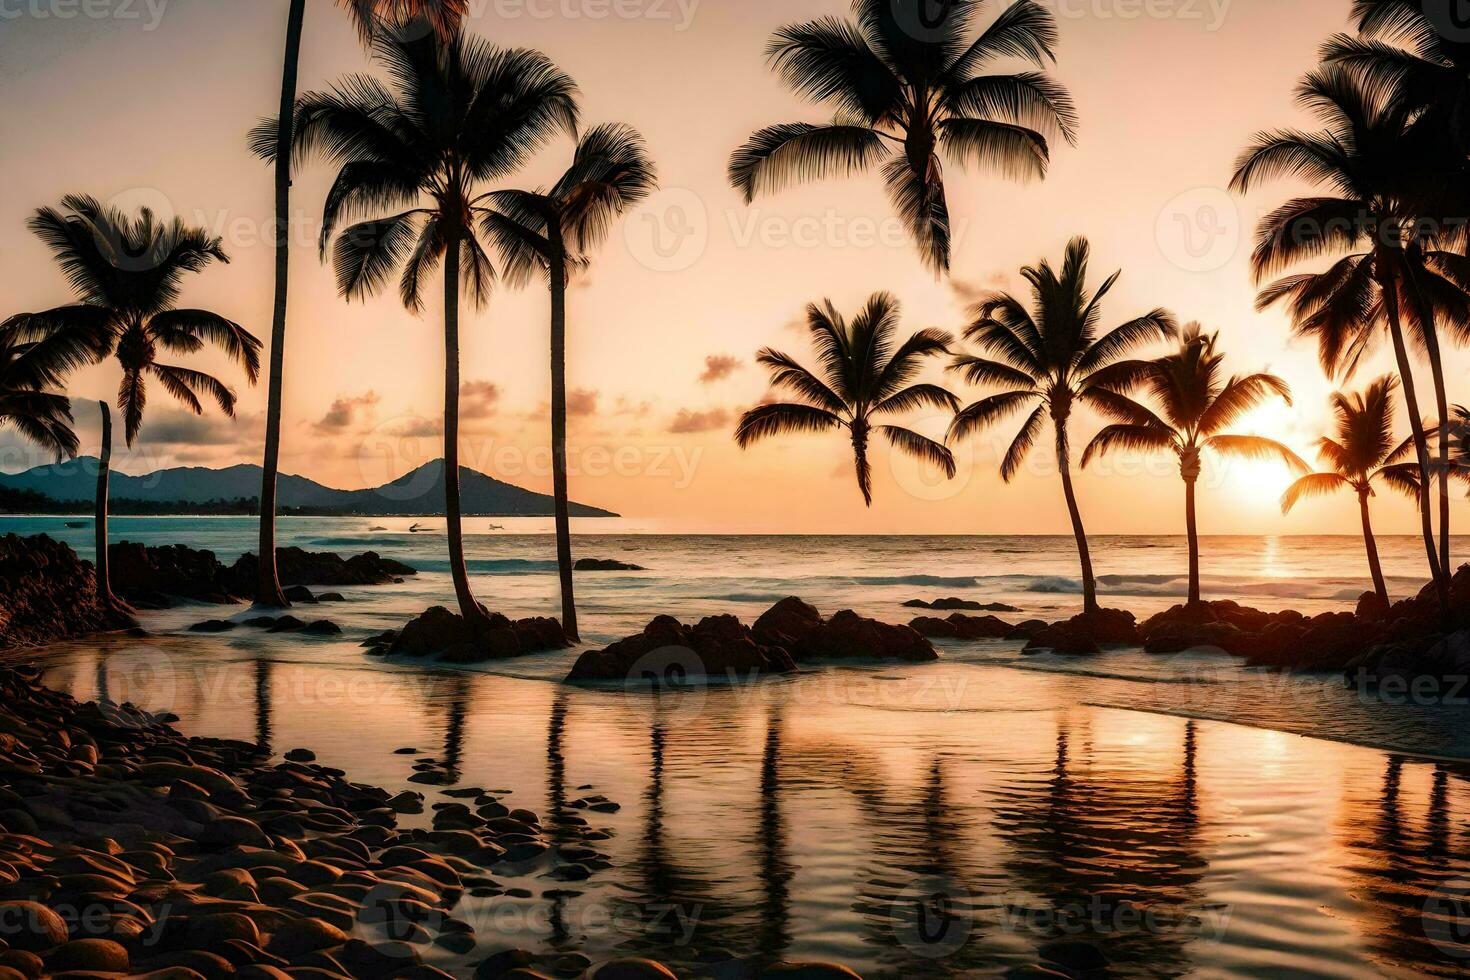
column 150, row 106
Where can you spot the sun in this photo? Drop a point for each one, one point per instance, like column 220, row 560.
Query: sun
column 1259, row 484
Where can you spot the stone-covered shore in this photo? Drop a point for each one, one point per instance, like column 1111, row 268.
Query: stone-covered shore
column 130, row 850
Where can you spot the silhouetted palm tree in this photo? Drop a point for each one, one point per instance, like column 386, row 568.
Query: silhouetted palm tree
column 127, row 274
column 460, row 112
column 1052, row 358
column 29, row 369
column 555, row 231
column 863, row 377
column 1392, row 275
column 1195, row 407
column 1364, row 453
column 904, row 79
column 443, row 16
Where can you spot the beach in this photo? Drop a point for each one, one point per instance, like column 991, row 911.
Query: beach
column 1177, row 813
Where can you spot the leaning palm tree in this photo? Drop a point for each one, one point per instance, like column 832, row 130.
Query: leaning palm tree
column 1051, row 359
column 1195, row 407
column 127, row 274
column 460, row 112
column 1363, row 454
column 555, row 231
column 908, row 83
column 1390, row 276
column 29, row 370
column 369, row 15
column 863, row 378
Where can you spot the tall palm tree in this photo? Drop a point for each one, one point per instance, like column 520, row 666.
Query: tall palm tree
column 1389, row 277
column 127, row 274
column 555, row 231
column 863, row 377
column 1364, row 453
column 1051, row 359
column 29, row 370
column 443, row 16
column 1195, row 407
column 459, row 112
column 906, row 82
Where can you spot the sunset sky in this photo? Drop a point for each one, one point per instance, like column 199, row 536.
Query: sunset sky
column 151, row 105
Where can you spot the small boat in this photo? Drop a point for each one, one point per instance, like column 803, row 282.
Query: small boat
column 78, row 524
column 419, row 529
column 497, row 527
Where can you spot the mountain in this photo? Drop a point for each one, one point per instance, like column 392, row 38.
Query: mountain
column 419, row 493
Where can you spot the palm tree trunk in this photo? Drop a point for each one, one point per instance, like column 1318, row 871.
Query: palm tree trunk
column 1442, row 407
column 468, row 607
column 1374, row 568
column 860, row 461
column 1064, row 465
column 268, row 589
column 559, row 431
column 1421, row 446
column 1193, row 532
column 105, row 598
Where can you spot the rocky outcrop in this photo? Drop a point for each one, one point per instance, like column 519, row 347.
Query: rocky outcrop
column 157, row 577
column 47, row 593
column 605, row 565
column 298, row 567
column 1086, row 633
column 799, row 628
column 668, row 651
column 449, row 638
column 958, row 626
column 1287, row 639
column 963, row 605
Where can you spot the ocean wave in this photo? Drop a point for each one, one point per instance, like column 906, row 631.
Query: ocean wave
column 953, row 581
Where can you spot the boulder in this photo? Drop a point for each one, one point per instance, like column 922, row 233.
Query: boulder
column 441, row 633
column 965, row 605
column 296, row 566
column 667, row 650
column 961, row 627
column 47, row 593
column 156, row 576
column 605, row 565
column 800, row 629
column 1086, row 632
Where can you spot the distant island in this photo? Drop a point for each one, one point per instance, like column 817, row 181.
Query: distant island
column 68, row 488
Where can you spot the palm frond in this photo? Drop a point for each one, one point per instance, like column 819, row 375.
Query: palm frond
column 917, row 396
column 1134, row 438
column 778, row 156
column 920, row 447
column 1258, row 448
column 1312, row 485
column 782, row 418
column 237, row 343
column 980, row 415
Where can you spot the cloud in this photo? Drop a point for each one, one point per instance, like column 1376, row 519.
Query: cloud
column 968, row 293
column 418, row 428
column 478, row 399
column 344, row 412
column 688, row 421
column 582, row 401
column 178, row 427
column 719, row 366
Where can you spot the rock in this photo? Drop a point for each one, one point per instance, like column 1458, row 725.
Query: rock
column 47, row 593
column 497, row 965
column 286, row 624
column 297, row 567
column 300, row 936
column 667, row 651
column 31, row 926
column 605, row 565
column 331, row 597
column 967, row 605
column 160, row 575
column 961, row 627
column 213, row 626
column 797, row 627
column 300, row 755
column 1075, row 956
column 1371, row 608
column 807, row 971
column 1065, row 638
column 88, row 955
column 631, row 968
column 322, row 627
column 439, row 632
column 234, row 832
column 1085, row 633
column 299, row 594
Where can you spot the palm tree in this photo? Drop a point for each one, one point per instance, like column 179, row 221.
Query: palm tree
column 1196, row 405
column 127, row 274
column 29, row 369
column 1364, row 453
column 555, row 231
column 863, row 377
column 443, row 16
column 1390, row 276
column 460, row 111
column 1052, row 358
column 905, row 82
